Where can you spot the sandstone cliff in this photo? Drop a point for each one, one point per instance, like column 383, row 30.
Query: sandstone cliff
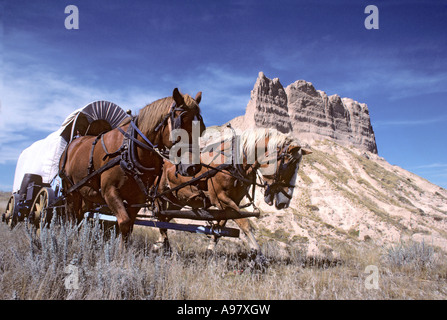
column 307, row 113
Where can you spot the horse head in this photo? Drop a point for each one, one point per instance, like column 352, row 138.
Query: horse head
column 183, row 129
column 279, row 185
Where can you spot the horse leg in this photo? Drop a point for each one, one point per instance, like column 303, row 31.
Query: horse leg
column 163, row 241
column 115, row 203
column 221, row 200
column 244, row 225
column 256, row 257
column 213, row 243
column 73, row 207
column 132, row 213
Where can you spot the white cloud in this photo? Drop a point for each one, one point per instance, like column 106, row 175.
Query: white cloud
column 225, row 92
column 38, row 101
column 432, row 165
column 408, row 122
column 41, row 100
column 434, row 172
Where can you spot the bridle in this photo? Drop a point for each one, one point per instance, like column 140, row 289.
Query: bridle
column 175, row 122
column 281, row 167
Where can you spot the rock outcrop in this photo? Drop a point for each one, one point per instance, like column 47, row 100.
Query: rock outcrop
column 267, row 107
column 307, row 113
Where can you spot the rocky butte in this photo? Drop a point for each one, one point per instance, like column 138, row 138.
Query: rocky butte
column 307, row 113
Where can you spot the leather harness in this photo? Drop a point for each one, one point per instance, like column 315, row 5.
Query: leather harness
column 126, row 155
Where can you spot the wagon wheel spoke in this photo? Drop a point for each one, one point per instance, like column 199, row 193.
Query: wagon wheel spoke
column 40, row 205
column 10, row 216
column 9, row 210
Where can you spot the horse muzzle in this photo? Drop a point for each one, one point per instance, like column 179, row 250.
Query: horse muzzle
column 188, row 170
column 281, row 201
column 268, row 198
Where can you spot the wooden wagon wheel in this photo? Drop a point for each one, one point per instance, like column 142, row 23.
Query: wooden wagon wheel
column 39, row 210
column 11, row 215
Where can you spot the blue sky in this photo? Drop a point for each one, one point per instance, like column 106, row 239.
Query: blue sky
column 133, row 52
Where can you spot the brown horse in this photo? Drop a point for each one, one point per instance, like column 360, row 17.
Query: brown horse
column 127, row 161
column 275, row 156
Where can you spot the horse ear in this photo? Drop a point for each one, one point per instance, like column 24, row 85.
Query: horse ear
column 198, row 97
column 305, row 151
column 178, row 98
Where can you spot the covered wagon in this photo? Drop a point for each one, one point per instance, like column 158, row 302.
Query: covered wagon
column 36, row 177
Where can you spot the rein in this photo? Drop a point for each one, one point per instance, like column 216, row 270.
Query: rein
column 234, row 170
column 276, row 183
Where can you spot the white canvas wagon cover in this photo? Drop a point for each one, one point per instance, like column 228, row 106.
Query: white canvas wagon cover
column 43, row 156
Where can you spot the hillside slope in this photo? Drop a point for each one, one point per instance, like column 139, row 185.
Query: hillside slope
column 345, row 196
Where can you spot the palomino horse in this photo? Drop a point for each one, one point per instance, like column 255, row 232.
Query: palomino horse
column 120, row 170
column 277, row 164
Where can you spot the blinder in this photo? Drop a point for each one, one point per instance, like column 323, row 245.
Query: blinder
column 283, row 166
column 187, row 170
column 275, row 190
column 176, row 123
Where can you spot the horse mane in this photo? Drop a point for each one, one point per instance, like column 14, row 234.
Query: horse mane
column 152, row 114
column 249, row 138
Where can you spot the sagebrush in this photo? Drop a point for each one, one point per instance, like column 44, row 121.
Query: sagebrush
column 33, row 265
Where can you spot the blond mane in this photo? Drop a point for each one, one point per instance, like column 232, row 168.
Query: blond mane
column 249, row 141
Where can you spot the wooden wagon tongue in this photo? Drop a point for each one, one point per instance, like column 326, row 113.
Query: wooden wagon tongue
column 208, row 214
column 200, row 214
column 213, row 230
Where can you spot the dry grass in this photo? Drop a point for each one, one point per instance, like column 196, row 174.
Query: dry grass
column 4, row 197
column 33, row 266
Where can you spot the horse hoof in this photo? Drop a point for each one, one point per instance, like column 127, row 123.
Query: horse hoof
column 257, row 261
column 163, row 248
column 156, row 248
column 209, row 253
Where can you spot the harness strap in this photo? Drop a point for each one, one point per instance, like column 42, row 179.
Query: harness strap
column 162, row 122
column 105, row 167
column 90, row 163
column 134, row 126
column 171, row 116
column 126, row 160
column 206, row 175
column 140, row 144
column 110, row 154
